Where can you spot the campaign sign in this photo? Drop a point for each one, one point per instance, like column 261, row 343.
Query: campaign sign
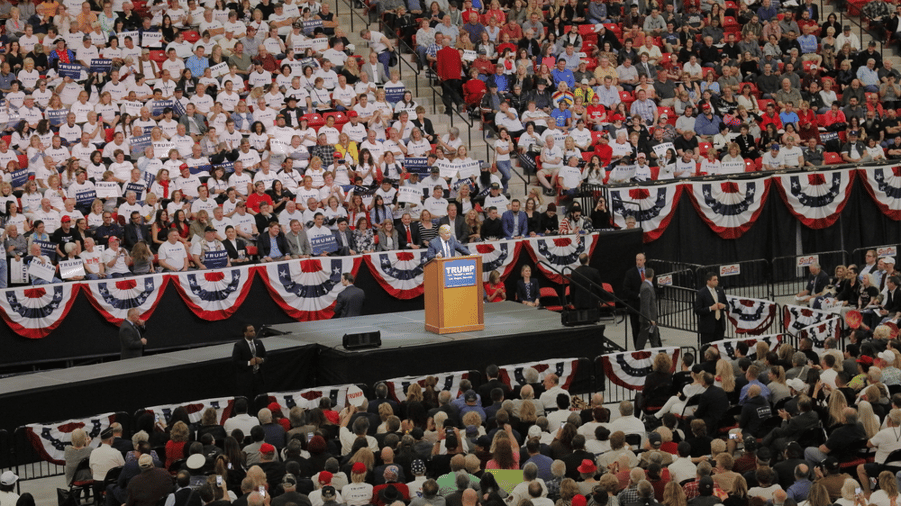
column 323, row 244
column 48, row 249
column 807, row 260
column 310, row 25
column 132, row 108
column 107, row 189
column 355, row 396
column 666, row 280
column 469, row 169
column 85, row 197
column 409, row 194
column 228, row 166
column 733, row 167
column 161, row 148
column 469, row 55
column 149, row 179
column 215, row 259
column 459, row 273
column 134, row 37
column 178, row 108
column 884, row 251
column 101, row 66
column 220, row 69
column 200, row 169
column 157, row 106
column 419, row 165
column 661, row 149
column 69, row 269
column 730, row 270
column 139, row 143
column 72, row 70
column 394, row 94
column 57, row 117
column 151, row 39
column 19, row 177
column 38, row 269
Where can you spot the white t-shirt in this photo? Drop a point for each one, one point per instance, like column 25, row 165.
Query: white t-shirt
column 172, row 254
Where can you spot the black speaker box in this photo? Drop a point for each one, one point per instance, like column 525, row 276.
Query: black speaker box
column 362, row 340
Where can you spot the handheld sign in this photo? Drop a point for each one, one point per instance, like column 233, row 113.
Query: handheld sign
column 19, row 177
column 469, row 55
column 661, row 149
column 409, row 194
column 134, row 37
column 107, row 189
column 355, row 396
column 418, row 165
column 85, row 196
column 733, row 167
column 40, row 270
column 215, row 259
column 132, row 108
column 157, row 106
column 219, row 69
column 57, row 117
column 69, row 269
column 139, row 143
column 161, row 148
column 101, row 66
column 394, row 95
column 310, row 25
column 447, row 168
column 151, row 39
column 323, row 244
column 72, row 70
column 468, row 169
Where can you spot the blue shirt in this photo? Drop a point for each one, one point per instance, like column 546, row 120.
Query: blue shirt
column 764, row 391
column 561, row 116
column 274, row 252
column 808, row 43
column 766, row 14
column 705, row 126
column 799, row 490
column 789, row 117
column 565, row 76
column 197, row 65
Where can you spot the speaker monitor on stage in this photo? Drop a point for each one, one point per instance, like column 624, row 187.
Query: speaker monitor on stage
column 362, row 340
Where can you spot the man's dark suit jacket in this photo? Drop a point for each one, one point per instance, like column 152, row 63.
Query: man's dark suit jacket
column 485, row 391
column 402, row 235
column 588, row 277
column 344, row 250
column 263, row 246
column 707, row 322
column 241, row 356
column 130, row 340
column 459, row 227
column 131, row 235
column 712, row 407
column 349, row 302
column 632, row 287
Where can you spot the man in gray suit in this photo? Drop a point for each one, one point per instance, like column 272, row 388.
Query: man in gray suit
column 375, row 69
column 350, row 300
column 130, row 338
column 648, row 310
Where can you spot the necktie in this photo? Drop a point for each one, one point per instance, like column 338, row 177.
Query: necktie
column 409, row 235
column 446, row 250
column 641, row 271
column 715, row 301
column 253, row 348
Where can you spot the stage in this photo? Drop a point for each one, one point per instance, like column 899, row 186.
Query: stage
column 306, row 355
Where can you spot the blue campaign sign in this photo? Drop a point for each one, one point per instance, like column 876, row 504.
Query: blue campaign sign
column 101, row 66
column 419, row 165
column 203, row 168
column 215, row 259
column 228, row 166
column 309, row 26
column 139, row 143
column 178, row 108
column 19, row 177
column 394, row 95
column 149, row 179
column 48, row 249
column 157, row 106
column 72, row 70
column 459, row 273
column 323, row 244
column 85, row 197
column 57, row 117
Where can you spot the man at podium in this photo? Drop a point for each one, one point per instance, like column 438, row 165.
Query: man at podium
column 445, row 245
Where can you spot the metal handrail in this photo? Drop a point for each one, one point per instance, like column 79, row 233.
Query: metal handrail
column 400, row 67
column 353, row 12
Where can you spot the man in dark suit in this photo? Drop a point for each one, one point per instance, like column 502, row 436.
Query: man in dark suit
column 648, row 299
column 792, row 426
column 444, row 245
column 586, row 281
column 631, row 287
column 345, row 239
column 350, row 300
column 248, row 356
column 712, row 404
column 710, row 306
column 131, row 337
column 408, row 233
column 455, row 221
column 136, row 231
column 272, row 245
column 492, row 372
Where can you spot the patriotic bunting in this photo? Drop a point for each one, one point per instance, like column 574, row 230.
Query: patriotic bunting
column 307, row 289
column 560, row 251
column 750, row 316
column 730, row 208
column 500, row 256
column 33, row 312
column 884, row 185
column 816, row 199
column 50, row 441
column 449, row 381
column 195, row 409
column 796, row 318
column 652, row 206
column 309, row 398
column 400, row 273
column 628, row 369
column 726, row 347
column 114, row 297
column 819, row 332
column 564, row 368
column 215, row 295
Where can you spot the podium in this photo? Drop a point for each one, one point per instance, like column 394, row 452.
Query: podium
column 454, row 295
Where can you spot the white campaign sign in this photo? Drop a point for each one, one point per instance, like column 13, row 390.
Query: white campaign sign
column 409, row 194
column 69, row 269
column 37, row 269
column 107, row 189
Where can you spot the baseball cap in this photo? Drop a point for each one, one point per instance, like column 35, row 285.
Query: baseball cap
column 289, row 479
column 854, row 133
column 495, row 186
column 706, row 485
column 65, row 219
column 887, row 356
column 889, row 260
column 435, row 170
column 325, row 477
column 579, row 500
column 654, row 438
column 418, row 467
column 796, row 384
column 265, row 447
column 328, row 491
column 865, row 359
column 145, row 462
column 86, row 37
column 585, row 81
column 352, row 114
column 774, row 146
column 211, row 229
column 358, row 468
column 831, row 464
column 196, row 461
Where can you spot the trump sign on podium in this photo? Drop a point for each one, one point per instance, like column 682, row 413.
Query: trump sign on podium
column 459, row 273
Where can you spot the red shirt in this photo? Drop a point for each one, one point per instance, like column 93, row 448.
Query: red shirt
column 766, row 120
column 473, row 91
column 254, row 201
column 450, row 65
column 605, row 152
column 834, row 117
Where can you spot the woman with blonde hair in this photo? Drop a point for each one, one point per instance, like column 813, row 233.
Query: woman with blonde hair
column 358, row 492
column 738, row 495
column 868, row 418
column 385, row 411
column 568, row 489
column 725, row 375
column 673, row 495
column 528, row 415
column 835, row 407
column 849, row 492
column 887, row 495
column 175, row 447
column 778, row 389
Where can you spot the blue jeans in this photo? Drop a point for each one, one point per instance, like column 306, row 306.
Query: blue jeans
column 4, row 277
column 814, row 456
column 504, row 167
column 39, row 281
column 118, row 275
column 385, row 57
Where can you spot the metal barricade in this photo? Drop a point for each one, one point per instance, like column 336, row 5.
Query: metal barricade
column 28, row 463
column 790, row 274
column 614, row 392
column 748, row 278
column 772, row 323
column 675, row 308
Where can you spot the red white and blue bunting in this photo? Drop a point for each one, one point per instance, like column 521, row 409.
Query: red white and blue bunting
column 450, row 381
column 307, row 289
column 195, row 409
column 750, row 316
column 730, row 208
column 628, row 369
column 564, row 368
column 652, row 206
column 114, row 297
column 400, row 273
column 726, row 347
column 884, row 185
column 796, row 318
column 816, row 199
column 500, row 256
column 215, row 295
column 818, row 333
column 309, row 398
column 50, row 440
column 34, row 312
column 561, row 252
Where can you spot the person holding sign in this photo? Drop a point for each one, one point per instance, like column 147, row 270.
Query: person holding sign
column 40, row 268
column 210, row 252
column 445, row 246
